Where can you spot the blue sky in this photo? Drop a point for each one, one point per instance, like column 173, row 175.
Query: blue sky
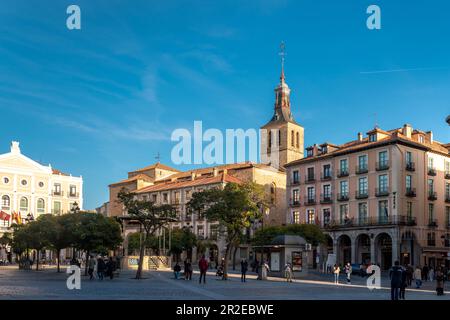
column 103, row 100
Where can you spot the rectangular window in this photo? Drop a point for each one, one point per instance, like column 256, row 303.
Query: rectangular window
column 310, row 173
column 311, row 216
column 296, row 217
column 165, row 197
column 295, row 196
column 383, row 211
column 447, row 216
column 447, row 167
column 372, row 137
column 430, row 186
column 363, row 186
column 326, row 171
column 57, row 207
column 343, row 165
column 57, row 189
column 326, row 216
column 409, row 210
column 383, row 183
column 295, row 176
column 408, row 182
column 431, row 239
column 73, row 191
column 343, row 213
column 408, row 158
column 447, row 191
column 343, row 188
column 154, row 198
column 311, row 193
column 362, row 213
column 200, row 231
column 327, row 191
column 214, row 231
column 383, row 158
column 362, row 163
column 430, row 163
column 431, row 214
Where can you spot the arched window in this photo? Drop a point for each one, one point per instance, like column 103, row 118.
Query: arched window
column 298, row 140
column 292, row 138
column 40, row 206
column 273, row 196
column 6, row 202
column 23, row 204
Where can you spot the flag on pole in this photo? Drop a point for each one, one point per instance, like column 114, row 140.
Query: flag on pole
column 4, row 216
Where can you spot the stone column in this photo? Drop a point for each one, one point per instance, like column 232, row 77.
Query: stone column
column 372, row 250
column 353, row 250
column 395, row 249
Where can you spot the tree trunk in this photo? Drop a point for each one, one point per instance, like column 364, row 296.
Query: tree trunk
column 87, row 262
column 37, row 260
column 234, row 257
column 58, row 252
column 141, row 258
column 227, row 257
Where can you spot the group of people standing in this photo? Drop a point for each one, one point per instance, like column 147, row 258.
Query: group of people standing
column 102, row 267
column 347, row 270
column 401, row 278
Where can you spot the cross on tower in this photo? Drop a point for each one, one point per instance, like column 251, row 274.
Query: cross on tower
column 282, row 54
column 158, row 157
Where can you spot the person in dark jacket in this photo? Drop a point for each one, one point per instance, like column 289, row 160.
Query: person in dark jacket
column 203, row 266
column 425, row 272
column 100, row 268
column 176, row 271
column 404, row 284
column 395, row 274
column 244, row 268
column 110, row 268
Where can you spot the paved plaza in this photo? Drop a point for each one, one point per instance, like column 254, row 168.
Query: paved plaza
column 160, row 285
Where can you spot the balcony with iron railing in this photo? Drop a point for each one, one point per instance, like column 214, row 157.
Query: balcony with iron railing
column 382, row 192
column 309, row 201
column 326, row 175
column 73, row 195
column 342, row 173
column 432, row 195
column 371, row 221
column 326, row 198
column 447, row 198
column 382, row 165
column 410, row 192
column 310, row 178
column 58, row 193
column 361, row 194
column 410, row 166
column 447, row 224
column 361, row 169
column 342, row 196
column 431, row 171
column 432, row 223
column 295, row 182
column 447, row 175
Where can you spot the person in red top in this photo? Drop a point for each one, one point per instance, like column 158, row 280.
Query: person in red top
column 203, row 266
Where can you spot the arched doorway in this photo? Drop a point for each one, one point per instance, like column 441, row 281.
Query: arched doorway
column 363, row 249
column 383, row 251
column 344, row 253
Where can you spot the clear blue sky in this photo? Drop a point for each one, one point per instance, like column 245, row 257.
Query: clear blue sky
column 104, row 100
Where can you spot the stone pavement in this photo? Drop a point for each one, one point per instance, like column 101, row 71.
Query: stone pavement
column 160, row 285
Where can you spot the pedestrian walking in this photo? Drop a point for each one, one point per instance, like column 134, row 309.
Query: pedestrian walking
column 439, row 282
column 431, row 274
column 288, row 272
column 176, row 271
column 403, row 285
column 187, row 270
column 395, row 274
column 100, row 268
column 91, row 267
column 425, row 272
column 348, row 271
column 418, row 277
column 264, row 270
column 336, row 271
column 244, row 268
column 409, row 274
column 110, row 268
column 203, row 266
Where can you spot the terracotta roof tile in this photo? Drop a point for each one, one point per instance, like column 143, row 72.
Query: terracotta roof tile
column 134, row 178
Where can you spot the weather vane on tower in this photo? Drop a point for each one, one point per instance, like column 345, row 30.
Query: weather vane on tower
column 282, row 54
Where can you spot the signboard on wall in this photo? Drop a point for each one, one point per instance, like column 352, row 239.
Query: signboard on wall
column 275, row 261
column 297, row 261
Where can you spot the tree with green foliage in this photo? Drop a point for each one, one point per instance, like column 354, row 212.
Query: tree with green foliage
column 182, row 239
column 310, row 232
column 234, row 206
column 151, row 218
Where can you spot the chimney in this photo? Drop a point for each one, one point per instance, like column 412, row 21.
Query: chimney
column 407, row 130
column 430, row 136
column 215, row 171
column 360, row 136
column 193, row 175
column 315, row 150
column 15, row 149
